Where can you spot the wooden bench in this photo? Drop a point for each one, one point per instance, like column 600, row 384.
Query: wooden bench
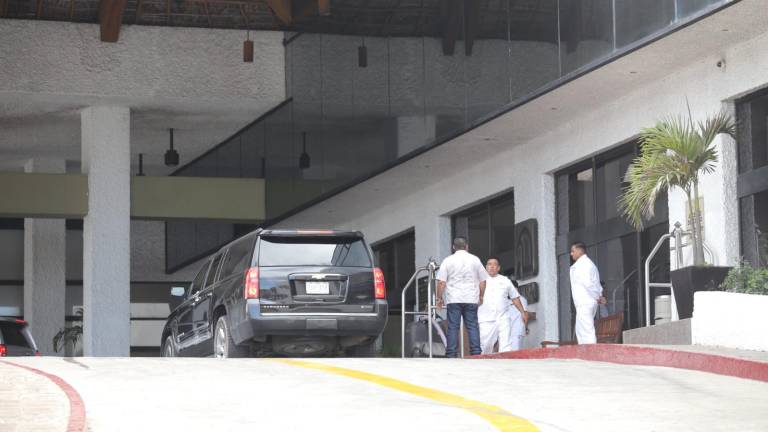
column 607, row 330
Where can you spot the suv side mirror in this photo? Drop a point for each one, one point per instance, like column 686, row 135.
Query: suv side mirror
column 178, row 291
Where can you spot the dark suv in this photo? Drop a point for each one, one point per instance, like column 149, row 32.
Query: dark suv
column 284, row 292
column 15, row 338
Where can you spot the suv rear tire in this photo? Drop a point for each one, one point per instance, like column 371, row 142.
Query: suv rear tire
column 223, row 345
column 368, row 349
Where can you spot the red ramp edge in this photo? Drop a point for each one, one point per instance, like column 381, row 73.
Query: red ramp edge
column 76, row 405
column 646, row 356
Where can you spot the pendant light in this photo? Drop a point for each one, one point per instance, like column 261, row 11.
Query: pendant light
column 171, row 156
column 248, row 48
column 141, row 165
column 362, row 54
column 304, row 160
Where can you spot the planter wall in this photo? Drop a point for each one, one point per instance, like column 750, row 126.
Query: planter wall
column 730, row 320
column 689, row 280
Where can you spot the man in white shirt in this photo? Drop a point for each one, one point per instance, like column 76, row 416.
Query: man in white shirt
column 519, row 326
column 495, row 314
column 461, row 284
column 586, row 292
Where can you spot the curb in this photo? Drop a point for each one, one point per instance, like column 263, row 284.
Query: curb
column 76, row 406
column 645, row 356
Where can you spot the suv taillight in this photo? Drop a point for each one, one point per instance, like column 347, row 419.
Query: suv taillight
column 380, row 289
column 3, row 351
column 252, row 283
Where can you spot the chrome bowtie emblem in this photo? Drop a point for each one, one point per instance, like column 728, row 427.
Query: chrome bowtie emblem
column 318, row 276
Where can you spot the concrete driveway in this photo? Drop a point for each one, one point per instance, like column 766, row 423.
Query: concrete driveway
column 135, row 394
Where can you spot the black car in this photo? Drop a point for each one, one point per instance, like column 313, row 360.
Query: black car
column 281, row 292
column 15, row 338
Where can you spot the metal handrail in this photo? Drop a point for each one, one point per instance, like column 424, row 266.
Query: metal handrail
column 677, row 233
column 403, row 310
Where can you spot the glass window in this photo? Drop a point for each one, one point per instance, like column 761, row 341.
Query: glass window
column 581, row 208
column 479, row 234
column 396, row 258
column 15, row 334
column 503, row 233
column 688, row 8
column 212, row 272
column 313, row 251
column 489, row 229
column 534, row 59
column 197, row 282
column 638, row 19
column 586, row 32
column 609, row 181
column 238, row 257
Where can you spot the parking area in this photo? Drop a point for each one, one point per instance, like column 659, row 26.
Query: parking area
column 132, row 394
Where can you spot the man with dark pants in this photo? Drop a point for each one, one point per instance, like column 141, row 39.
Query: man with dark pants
column 461, row 285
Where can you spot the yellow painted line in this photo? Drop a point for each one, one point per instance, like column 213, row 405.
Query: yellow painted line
column 500, row 419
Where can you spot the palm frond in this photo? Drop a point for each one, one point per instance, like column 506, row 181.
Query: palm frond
column 674, row 153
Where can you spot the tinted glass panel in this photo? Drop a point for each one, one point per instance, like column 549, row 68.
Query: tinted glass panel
column 638, row 19
column 197, row 283
column 212, row 272
column 586, row 32
column 687, row 8
column 503, row 233
column 479, row 240
column 581, row 209
column 14, row 334
column 238, row 258
column 761, row 228
column 305, row 251
column 609, row 181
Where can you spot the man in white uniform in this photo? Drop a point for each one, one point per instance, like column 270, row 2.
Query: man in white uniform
column 586, row 292
column 495, row 314
column 460, row 284
column 519, row 327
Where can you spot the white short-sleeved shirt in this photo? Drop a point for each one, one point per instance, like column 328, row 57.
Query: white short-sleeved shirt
column 585, row 282
column 462, row 273
column 499, row 292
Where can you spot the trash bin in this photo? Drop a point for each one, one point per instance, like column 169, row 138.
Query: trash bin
column 663, row 309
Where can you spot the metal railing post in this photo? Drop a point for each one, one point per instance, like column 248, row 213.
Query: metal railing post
column 404, row 310
column 430, row 301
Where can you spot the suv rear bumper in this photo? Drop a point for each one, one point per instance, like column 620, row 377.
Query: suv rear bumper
column 260, row 325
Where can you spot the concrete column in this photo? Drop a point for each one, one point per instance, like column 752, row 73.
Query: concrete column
column 44, row 269
column 106, row 231
column 546, row 310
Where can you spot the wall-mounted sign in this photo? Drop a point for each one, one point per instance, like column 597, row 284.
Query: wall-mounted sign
column 526, row 249
column 530, row 291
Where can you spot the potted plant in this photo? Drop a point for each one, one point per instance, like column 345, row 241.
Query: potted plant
column 675, row 153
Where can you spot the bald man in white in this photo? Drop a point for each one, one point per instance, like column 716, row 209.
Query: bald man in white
column 586, row 292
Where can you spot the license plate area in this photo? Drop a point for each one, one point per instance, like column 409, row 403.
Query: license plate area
column 317, row 288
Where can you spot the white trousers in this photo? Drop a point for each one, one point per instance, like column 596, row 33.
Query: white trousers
column 499, row 330
column 585, row 323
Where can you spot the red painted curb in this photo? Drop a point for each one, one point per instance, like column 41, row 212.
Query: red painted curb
column 76, row 405
column 646, row 356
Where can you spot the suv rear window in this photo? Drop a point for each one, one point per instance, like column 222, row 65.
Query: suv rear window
column 313, row 251
column 15, row 334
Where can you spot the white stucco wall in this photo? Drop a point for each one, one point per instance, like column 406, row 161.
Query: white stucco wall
column 730, row 320
column 521, row 149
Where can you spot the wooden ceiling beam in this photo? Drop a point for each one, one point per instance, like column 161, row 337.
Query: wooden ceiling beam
column 471, row 24
column 111, row 18
column 282, row 10
column 451, row 23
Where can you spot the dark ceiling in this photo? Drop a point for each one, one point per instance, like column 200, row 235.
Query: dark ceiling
column 528, row 19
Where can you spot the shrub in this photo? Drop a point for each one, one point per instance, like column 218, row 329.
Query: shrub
column 747, row 279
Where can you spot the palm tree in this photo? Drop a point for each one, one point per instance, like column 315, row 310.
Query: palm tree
column 673, row 153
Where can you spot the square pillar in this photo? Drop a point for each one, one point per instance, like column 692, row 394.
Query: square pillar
column 44, row 270
column 106, row 231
